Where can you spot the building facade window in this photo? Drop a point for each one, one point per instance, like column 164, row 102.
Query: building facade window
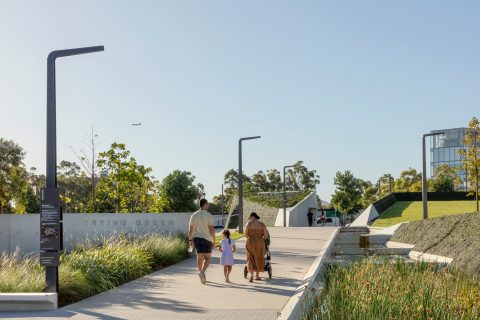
column 444, row 150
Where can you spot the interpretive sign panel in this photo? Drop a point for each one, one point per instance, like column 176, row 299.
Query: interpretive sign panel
column 50, row 226
column 50, row 259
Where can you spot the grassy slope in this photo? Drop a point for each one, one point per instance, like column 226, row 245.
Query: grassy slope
column 454, row 236
column 403, row 211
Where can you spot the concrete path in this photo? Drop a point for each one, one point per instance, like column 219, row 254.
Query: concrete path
column 176, row 293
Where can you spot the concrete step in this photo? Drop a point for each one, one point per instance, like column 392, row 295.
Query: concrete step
column 390, row 248
column 366, row 240
column 348, row 251
column 358, row 238
column 389, row 251
column 28, row 301
column 348, row 260
column 348, row 238
column 354, row 229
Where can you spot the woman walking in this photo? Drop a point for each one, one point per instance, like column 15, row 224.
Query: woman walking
column 256, row 233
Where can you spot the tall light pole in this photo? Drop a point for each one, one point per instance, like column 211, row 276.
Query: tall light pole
column 51, row 232
column 285, row 195
column 424, row 172
column 240, row 182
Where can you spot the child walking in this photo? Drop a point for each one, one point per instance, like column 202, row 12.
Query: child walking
column 227, row 248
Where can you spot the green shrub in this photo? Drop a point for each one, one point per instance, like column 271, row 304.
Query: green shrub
column 21, row 273
column 73, row 285
column 95, row 266
column 163, row 250
column 396, row 290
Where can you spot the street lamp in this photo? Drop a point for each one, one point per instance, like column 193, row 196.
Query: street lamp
column 285, row 196
column 51, row 237
column 424, row 172
column 240, row 182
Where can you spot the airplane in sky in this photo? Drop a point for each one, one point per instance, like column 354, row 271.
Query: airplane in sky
column 137, row 124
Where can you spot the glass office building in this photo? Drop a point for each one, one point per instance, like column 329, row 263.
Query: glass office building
column 444, row 149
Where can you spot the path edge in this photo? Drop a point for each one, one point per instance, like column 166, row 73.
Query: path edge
column 294, row 306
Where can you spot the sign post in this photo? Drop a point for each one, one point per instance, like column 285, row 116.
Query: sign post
column 51, row 228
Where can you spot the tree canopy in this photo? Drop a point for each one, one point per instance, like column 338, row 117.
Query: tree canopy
column 13, row 178
column 178, row 192
column 348, row 193
column 471, row 157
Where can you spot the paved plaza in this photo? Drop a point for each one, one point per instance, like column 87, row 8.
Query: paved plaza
column 176, row 293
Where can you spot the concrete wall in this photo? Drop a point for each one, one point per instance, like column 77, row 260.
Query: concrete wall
column 297, row 215
column 23, row 230
column 367, row 216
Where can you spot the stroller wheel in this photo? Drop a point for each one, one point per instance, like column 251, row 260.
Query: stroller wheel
column 270, row 272
column 245, row 272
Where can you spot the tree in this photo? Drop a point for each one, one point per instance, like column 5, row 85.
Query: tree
column 36, row 183
column 370, row 193
column 88, row 160
column 218, row 203
column 471, row 156
column 274, row 179
column 348, row 193
column 299, row 178
column 75, row 187
column 179, row 192
column 385, row 184
column 13, row 177
column 410, row 181
column 445, row 179
column 33, row 204
column 230, row 181
column 128, row 186
column 267, row 182
column 260, row 180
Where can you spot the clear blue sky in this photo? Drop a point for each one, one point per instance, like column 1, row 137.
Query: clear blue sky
column 338, row 84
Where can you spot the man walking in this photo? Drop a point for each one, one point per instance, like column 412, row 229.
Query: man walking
column 310, row 217
column 202, row 234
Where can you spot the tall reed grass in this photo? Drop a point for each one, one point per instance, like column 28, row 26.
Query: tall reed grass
column 396, row 290
column 95, row 266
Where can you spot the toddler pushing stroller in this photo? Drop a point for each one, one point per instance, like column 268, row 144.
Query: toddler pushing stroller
column 268, row 257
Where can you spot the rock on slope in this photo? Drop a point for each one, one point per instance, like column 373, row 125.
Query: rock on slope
column 456, row 236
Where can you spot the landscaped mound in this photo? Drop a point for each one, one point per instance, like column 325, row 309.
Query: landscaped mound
column 396, row 290
column 91, row 269
column 457, row 237
column 276, row 200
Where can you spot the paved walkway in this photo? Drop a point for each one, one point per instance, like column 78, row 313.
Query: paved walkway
column 176, row 293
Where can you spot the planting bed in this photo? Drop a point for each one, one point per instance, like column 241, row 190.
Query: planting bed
column 392, row 289
column 94, row 268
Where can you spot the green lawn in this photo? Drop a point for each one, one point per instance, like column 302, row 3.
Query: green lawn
column 234, row 236
column 403, row 211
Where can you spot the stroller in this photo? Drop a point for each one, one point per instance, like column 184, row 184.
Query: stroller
column 268, row 257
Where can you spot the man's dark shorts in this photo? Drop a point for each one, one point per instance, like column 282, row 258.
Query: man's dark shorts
column 202, row 245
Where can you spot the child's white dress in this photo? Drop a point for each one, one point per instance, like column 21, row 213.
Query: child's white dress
column 227, row 252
